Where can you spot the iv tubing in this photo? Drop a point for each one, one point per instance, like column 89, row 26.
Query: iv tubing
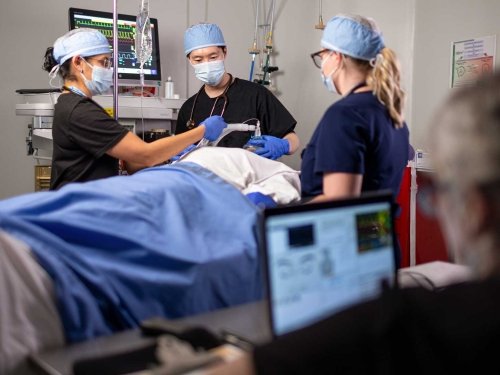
column 254, row 47
column 115, row 61
column 256, row 21
column 272, row 22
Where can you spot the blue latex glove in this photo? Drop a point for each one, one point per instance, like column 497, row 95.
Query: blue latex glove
column 185, row 151
column 270, row 147
column 214, row 125
column 261, row 200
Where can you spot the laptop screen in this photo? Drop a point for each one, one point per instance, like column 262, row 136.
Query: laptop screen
column 324, row 257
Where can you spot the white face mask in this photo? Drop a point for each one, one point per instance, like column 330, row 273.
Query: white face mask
column 210, row 72
column 327, row 79
column 102, row 79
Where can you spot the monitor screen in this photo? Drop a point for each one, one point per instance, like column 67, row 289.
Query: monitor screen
column 128, row 67
column 323, row 258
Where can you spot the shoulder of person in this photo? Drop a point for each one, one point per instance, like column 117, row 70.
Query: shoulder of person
column 357, row 104
column 188, row 101
column 76, row 103
column 249, row 85
column 72, row 98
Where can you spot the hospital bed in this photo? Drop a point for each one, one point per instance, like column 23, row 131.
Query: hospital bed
column 99, row 257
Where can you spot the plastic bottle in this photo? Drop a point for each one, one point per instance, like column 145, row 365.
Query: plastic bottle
column 169, row 88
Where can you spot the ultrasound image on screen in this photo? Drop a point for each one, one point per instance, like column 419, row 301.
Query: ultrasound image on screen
column 301, row 236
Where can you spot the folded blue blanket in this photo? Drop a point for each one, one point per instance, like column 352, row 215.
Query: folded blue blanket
column 167, row 241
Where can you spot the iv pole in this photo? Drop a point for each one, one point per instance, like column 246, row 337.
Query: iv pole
column 115, row 60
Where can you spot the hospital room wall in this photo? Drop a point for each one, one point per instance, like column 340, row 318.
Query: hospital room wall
column 437, row 25
column 419, row 31
column 298, row 83
column 27, row 28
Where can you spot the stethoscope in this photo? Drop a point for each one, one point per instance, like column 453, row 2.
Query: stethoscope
column 190, row 124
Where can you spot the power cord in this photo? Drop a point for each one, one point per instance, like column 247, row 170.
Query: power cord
column 421, row 280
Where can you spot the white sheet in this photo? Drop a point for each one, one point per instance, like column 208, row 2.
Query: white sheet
column 249, row 172
column 29, row 320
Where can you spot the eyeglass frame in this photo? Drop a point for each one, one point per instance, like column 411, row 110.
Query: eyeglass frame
column 319, row 54
column 106, row 63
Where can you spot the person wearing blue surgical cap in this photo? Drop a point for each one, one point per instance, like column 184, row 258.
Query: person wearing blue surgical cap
column 87, row 142
column 236, row 100
column 362, row 141
column 429, row 329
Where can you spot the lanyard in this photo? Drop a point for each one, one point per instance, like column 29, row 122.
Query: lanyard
column 190, row 123
column 359, row 85
column 74, row 90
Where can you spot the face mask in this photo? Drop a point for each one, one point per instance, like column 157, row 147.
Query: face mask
column 327, row 79
column 102, row 79
column 210, row 72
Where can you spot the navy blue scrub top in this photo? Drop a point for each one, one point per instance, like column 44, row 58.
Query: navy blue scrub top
column 356, row 135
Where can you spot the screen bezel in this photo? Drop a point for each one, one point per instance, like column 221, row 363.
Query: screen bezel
column 154, row 21
column 383, row 196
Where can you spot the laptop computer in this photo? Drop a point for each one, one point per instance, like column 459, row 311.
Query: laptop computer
column 321, row 258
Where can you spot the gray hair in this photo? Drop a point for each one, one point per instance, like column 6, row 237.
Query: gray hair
column 466, row 135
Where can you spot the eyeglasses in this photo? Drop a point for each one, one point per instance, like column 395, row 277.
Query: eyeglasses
column 317, row 57
column 105, row 63
column 428, row 190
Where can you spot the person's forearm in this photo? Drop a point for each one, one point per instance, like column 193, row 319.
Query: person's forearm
column 241, row 366
column 131, row 168
column 339, row 186
column 294, row 142
column 140, row 154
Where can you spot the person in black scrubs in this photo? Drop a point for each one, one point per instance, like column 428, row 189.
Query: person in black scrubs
column 87, row 142
column 417, row 330
column 235, row 99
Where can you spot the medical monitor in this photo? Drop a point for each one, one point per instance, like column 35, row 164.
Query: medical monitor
column 128, row 67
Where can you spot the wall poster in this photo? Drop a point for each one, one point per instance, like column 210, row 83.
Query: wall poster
column 471, row 58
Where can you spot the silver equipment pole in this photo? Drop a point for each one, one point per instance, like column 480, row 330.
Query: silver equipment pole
column 115, row 60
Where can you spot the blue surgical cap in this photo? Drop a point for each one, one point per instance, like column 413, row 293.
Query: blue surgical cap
column 346, row 35
column 202, row 35
column 83, row 42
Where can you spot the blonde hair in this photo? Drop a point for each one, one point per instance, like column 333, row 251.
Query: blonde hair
column 384, row 76
column 385, row 80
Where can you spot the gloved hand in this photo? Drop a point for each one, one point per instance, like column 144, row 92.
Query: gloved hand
column 261, row 200
column 270, row 147
column 214, row 125
column 185, row 151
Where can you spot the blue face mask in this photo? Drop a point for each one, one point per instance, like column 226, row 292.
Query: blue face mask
column 328, row 82
column 327, row 79
column 102, row 79
column 210, row 72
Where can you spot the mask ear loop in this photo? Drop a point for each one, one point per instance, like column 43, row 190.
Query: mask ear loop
column 52, row 75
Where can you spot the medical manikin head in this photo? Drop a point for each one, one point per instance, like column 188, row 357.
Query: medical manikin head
column 465, row 151
column 81, row 54
column 204, row 46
